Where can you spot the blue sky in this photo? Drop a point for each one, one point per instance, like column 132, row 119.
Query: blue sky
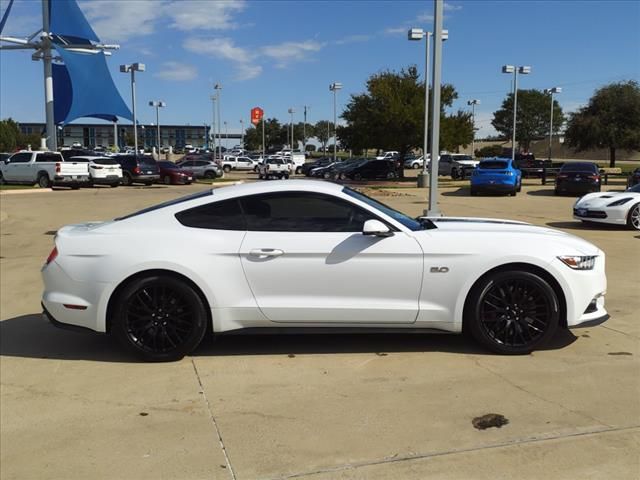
column 279, row 55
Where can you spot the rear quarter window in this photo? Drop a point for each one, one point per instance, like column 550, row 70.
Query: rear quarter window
column 224, row 215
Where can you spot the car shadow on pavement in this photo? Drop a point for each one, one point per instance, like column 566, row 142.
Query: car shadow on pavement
column 547, row 192
column 578, row 225
column 29, row 336
column 379, row 344
column 461, row 192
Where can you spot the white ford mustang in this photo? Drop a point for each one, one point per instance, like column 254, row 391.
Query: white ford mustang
column 617, row 208
column 296, row 255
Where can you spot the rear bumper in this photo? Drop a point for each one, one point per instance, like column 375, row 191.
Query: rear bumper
column 65, row 326
column 571, row 187
column 106, row 180
column 145, row 178
column 493, row 187
column 71, row 179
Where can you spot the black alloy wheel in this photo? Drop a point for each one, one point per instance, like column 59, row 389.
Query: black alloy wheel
column 159, row 318
column 210, row 174
column 512, row 312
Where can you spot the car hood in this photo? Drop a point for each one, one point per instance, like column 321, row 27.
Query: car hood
column 499, row 231
column 601, row 200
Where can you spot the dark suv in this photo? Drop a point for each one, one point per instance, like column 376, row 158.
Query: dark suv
column 373, row 169
column 138, row 169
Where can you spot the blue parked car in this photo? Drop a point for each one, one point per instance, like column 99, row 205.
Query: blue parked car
column 496, row 175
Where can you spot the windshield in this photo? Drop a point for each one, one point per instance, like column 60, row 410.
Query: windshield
column 146, row 161
column 400, row 217
column 175, row 201
column 634, row 189
column 168, row 165
column 493, row 165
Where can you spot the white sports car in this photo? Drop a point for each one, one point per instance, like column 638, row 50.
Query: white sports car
column 316, row 256
column 617, row 208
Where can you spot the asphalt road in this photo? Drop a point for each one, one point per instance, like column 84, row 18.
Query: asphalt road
column 73, row 406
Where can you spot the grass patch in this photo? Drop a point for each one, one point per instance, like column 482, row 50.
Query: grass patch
column 17, row 187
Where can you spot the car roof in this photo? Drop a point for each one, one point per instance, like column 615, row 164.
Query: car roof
column 279, row 186
column 91, row 157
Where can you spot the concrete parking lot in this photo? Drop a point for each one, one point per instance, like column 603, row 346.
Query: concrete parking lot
column 73, row 406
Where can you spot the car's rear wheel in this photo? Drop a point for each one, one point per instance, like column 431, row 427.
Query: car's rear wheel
column 512, row 312
column 226, row 168
column 167, row 180
column 298, row 170
column 127, row 180
column 44, row 181
column 209, row 174
column 455, row 175
column 357, row 177
column 633, row 219
column 415, row 166
column 519, row 188
column 474, row 192
column 159, row 318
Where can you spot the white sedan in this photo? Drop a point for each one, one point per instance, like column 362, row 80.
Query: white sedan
column 616, row 208
column 312, row 255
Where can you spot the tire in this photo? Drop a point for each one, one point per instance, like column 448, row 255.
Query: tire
column 633, row 218
column 454, row 174
column 286, row 176
column 75, row 187
column 2, row 182
column 256, row 169
column 44, row 181
column 474, row 192
column 166, row 180
column 298, row 170
column 159, row 318
column 127, row 180
column 415, row 166
column 519, row 188
column 391, row 175
column 147, row 184
column 114, row 185
column 260, row 176
column 513, row 193
column 226, row 168
column 210, row 175
column 556, row 192
column 357, row 177
column 326, row 175
column 501, row 306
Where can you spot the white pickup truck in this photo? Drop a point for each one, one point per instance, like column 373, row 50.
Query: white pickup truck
column 237, row 163
column 47, row 169
column 273, row 168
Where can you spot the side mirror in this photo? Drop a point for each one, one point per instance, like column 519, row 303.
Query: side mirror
column 376, row 228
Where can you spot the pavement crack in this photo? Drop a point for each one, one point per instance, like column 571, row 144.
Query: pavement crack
column 536, row 395
column 620, row 332
column 213, row 421
column 455, row 451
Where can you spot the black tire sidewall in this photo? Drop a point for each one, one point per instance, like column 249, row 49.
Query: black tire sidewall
column 119, row 328
column 472, row 312
column 43, row 181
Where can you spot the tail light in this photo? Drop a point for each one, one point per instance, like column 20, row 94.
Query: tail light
column 52, row 256
column 57, row 167
column 594, row 177
column 136, row 170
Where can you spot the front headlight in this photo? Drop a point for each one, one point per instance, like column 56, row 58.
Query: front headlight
column 579, row 262
column 617, row 203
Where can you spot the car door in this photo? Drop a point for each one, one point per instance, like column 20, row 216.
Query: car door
column 18, row 168
column 444, row 165
column 307, row 261
column 244, row 163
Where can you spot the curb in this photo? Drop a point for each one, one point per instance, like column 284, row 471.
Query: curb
column 25, row 191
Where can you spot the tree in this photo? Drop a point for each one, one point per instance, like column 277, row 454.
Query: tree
column 610, row 120
column 9, row 134
column 390, row 115
column 532, row 119
column 274, row 133
column 489, row 151
column 321, row 131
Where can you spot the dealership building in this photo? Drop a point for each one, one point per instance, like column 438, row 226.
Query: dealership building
column 96, row 134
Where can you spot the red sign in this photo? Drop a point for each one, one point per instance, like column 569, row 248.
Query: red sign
column 256, row 115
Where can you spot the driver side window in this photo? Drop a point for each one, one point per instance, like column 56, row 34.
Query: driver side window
column 302, row 212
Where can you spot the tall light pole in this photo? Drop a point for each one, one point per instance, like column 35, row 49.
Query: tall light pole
column 550, row 92
column 417, row 34
column 212, row 133
column 133, row 68
column 217, row 87
column 242, row 133
column 158, row 104
column 304, row 130
column 226, row 134
column 473, row 104
column 334, row 87
column 291, row 112
column 524, row 70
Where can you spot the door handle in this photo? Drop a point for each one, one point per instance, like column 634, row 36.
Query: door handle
column 265, row 252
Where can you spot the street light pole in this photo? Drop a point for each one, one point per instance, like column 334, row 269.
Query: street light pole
column 551, row 91
column 334, row 87
column 524, row 70
column 158, row 104
column 304, row 130
column 473, row 104
column 226, row 134
column 291, row 112
column 133, row 68
column 217, row 87
column 212, row 133
column 242, row 133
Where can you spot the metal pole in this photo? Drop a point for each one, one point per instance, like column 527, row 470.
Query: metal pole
column 473, row 126
column 435, row 111
column 335, row 138
column 133, row 102
column 213, row 124
column 158, row 126
column 242, row 134
column 551, row 126
column 263, row 140
column 52, row 138
column 292, row 134
column 515, row 111
column 116, row 147
column 426, row 107
column 304, row 132
column 226, row 133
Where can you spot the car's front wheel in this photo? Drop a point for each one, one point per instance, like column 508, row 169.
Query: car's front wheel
column 512, row 312
column 633, row 219
column 159, row 318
